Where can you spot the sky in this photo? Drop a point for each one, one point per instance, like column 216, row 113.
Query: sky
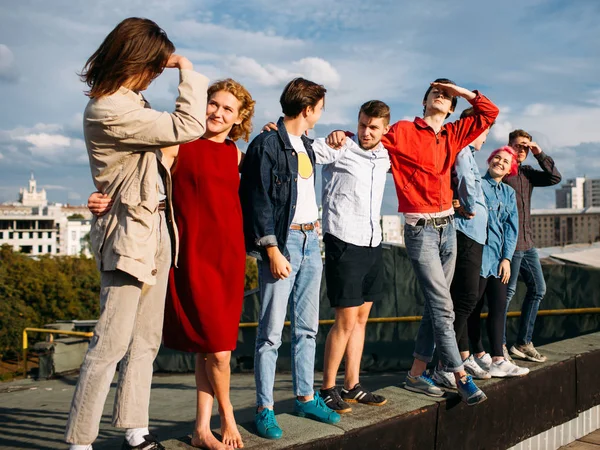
column 537, row 60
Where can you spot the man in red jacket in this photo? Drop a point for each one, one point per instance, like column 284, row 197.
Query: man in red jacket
column 422, row 153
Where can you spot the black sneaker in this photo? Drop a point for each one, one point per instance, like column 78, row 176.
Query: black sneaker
column 358, row 394
column 332, row 399
column 150, row 443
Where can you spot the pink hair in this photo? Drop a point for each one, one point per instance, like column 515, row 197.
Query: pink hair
column 514, row 166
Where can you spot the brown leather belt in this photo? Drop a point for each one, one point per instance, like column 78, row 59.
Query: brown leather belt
column 302, row 226
column 162, row 205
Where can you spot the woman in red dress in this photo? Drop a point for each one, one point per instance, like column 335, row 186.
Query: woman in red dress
column 206, row 290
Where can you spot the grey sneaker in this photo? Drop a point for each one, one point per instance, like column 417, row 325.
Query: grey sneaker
column 506, row 354
column 444, row 379
column 475, row 370
column 527, row 352
column 422, row 384
column 484, row 362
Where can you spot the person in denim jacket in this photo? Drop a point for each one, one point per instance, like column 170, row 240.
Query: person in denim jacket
column 277, row 193
column 502, row 229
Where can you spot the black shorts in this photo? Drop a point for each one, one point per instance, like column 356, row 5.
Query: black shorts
column 354, row 274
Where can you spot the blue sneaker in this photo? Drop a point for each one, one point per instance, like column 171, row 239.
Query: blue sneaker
column 423, row 385
column 266, row 424
column 316, row 409
column 469, row 392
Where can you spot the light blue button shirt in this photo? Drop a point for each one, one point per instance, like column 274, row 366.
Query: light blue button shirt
column 503, row 225
column 353, row 184
column 466, row 184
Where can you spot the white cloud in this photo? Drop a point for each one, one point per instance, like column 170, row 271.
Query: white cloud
column 45, row 141
column 319, row 71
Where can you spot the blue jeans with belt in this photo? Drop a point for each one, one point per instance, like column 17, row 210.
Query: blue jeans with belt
column 432, row 252
column 301, row 292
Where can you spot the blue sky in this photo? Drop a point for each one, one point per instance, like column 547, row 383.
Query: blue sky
column 537, row 60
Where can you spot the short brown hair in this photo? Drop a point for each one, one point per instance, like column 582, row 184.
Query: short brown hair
column 246, row 110
column 445, row 81
column 300, row 94
column 470, row 112
column 136, row 47
column 376, row 109
column 518, row 133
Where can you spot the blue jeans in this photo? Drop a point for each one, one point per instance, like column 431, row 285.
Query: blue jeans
column 432, row 252
column 528, row 264
column 301, row 291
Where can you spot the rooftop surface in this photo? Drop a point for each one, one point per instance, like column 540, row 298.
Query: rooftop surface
column 33, row 413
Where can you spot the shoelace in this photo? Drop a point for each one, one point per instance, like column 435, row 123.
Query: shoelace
column 269, row 419
column 321, row 403
column 427, row 379
column 469, row 385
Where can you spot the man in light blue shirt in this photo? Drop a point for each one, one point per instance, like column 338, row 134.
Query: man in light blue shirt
column 471, row 234
column 353, row 184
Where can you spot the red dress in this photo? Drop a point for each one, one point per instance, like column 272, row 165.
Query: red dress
column 205, row 293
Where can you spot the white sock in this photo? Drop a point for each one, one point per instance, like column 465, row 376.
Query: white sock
column 80, row 447
column 135, row 436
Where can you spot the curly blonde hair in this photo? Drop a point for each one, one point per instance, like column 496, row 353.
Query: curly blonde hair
column 244, row 129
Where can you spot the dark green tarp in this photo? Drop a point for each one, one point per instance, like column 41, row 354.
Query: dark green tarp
column 389, row 346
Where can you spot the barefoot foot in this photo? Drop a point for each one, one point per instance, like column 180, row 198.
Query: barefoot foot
column 229, row 430
column 208, row 441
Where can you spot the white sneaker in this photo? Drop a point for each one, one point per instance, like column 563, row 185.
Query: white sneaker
column 484, row 362
column 443, row 378
column 504, row 368
column 474, row 369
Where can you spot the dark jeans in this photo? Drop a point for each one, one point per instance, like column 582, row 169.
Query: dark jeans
column 465, row 286
column 494, row 290
column 528, row 264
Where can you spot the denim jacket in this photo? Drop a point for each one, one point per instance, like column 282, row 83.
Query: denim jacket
column 503, row 225
column 268, row 190
column 466, row 183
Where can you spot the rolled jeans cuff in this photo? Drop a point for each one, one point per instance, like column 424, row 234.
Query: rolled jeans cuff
column 423, row 358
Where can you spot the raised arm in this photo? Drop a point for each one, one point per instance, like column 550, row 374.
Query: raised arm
column 133, row 125
column 464, row 131
column 549, row 175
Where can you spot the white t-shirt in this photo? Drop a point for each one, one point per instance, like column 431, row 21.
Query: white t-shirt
column 306, row 204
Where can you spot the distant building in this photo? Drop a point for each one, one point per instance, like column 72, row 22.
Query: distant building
column 571, row 194
column 592, row 192
column 33, row 227
column 392, row 229
column 580, row 192
column 31, row 196
column 565, row 226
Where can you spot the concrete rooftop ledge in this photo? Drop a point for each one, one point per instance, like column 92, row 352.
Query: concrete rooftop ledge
column 33, row 414
column 517, row 408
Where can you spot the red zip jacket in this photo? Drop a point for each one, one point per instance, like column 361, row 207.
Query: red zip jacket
column 422, row 161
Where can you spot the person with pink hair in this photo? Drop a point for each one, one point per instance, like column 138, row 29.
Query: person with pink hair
column 502, row 230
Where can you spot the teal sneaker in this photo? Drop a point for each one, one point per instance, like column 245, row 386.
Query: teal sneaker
column 316, row 409
column 266, row 424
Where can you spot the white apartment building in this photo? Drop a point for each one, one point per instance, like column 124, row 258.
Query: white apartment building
column 392, row 229
column 565, row 226
column 571, row 194
column 33, row 227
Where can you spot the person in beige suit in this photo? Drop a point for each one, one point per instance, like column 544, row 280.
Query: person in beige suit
column 135, row 243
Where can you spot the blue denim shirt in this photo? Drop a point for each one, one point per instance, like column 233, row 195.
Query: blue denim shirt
column 268, row 189
column 503, row 225
column 466, row 184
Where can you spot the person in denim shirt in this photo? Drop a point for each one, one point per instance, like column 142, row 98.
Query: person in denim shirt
column 502, row 229
column 471, row 233
column 279, row 208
